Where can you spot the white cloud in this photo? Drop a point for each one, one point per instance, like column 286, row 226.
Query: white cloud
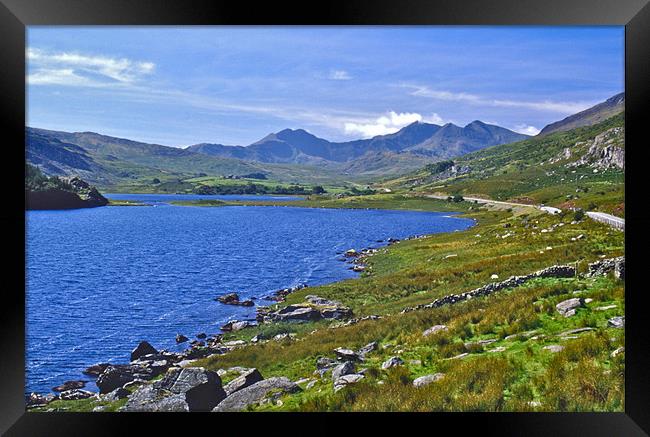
column 339, row 75
column 386, row 124
column 546, row 105
column 435, row 119
column 75, row 69
column 526, row 129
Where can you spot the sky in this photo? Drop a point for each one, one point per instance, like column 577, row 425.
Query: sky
column 179, row 86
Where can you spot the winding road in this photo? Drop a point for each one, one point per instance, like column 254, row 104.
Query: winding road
column 611, row 220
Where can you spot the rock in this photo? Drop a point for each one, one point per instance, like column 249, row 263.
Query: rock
column 235, row 343
column 285, row 336
column 320, row 301
column 228, row 299
column 605, row 308
column 346, row 380
column 149, row 399
column 246, row 379
column 99, row 409
column 185, row 363
column 337, row 313
column 256, row 393
column 70, row 385
column 311, row 384
column 180, row 338
column 246, row 303
column 75, row 394
column 118, row 393
column 343, row 369
column 95, row 369
column 617, row 351
column 392, row 362
column 294, row 313
column 576, row 331
column 35, row 399
column 568, row 305
column 553, row 348
column 372, row 346
column 235, row 325
column 497, row 349
column 201, row 335
column 427, row 379
column 346, row 354
column 494, row 276
column 325, row 363
column 351, row 253
column 115, row 376
column 201, row 388
column 144, row 348
column 434, row 329
column 616, row 322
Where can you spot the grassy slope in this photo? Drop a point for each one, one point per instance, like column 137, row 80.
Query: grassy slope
column 522, row 171
column 523, row 377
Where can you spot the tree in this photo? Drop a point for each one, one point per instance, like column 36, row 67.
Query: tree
column 318, row 189
column 457, row 198
column 155, row 181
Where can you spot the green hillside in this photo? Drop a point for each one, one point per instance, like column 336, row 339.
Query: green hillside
column 580, row 168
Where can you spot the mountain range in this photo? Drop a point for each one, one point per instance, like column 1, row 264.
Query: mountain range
column 428, row 140
column 288, row 156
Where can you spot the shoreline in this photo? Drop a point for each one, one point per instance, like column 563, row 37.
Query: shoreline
column 364, row 253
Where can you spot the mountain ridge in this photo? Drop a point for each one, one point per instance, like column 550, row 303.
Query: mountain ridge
column 300, row 146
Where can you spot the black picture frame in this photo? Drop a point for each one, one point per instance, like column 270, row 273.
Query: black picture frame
column 15, row 15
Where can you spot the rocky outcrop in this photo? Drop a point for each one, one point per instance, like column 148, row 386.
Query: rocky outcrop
column 188, row 389
column 233, row 299
column 315, row 308
column 95, row 369
column 245, row 379
column 69, row 385
column 434, row 329
column 71, row 193
column 345, row 368
column 142, row 349
column 561, row 271
column 616, row 322
column 116, row 376
column 605, row 151
column 257, row 393
column 75, row 395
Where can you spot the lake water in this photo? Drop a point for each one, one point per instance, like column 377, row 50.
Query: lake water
column 100, row 280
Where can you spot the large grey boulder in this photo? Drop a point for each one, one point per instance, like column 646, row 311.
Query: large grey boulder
column 427, row 379
column 256, row 393
column 194, row 389
column 149, row 399
column 567, row 307
column 202, row 388
column 245, row 379
column 142, row 349
column 294, row 313
column 343, row 369
column 118, row 375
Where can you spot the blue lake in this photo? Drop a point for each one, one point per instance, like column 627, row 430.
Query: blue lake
column 100, row 280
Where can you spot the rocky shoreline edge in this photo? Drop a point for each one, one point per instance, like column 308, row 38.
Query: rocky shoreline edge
column 147, row 363
column 182, row 387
